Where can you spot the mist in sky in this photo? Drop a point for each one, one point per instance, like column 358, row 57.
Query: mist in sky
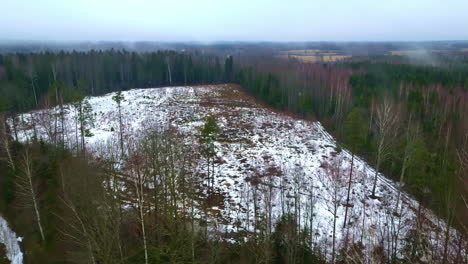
column 234, row 20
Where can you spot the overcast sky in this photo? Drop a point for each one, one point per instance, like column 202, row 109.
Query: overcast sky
column 243, row 20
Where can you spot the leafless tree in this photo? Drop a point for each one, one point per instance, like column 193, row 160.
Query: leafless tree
column 91, row 214
column 47, row 119
column 136, row 170
column 334, row 184
column 411, row 136
column 385, row 123
column 5, row 141
column 169, row 73
column 462, row 154
column 27, row 189
column 32, row 76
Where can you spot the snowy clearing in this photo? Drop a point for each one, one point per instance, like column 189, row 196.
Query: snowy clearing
column 290, row 160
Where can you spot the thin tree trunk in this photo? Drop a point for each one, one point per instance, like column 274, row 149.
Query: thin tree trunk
column 33, row 120
column 28, row 172
column 83, row 228
column 169, row 72
column 377, row 167
column 34, row 90
column 6, row 143
column 349, row 190
column 334, row 233
column 139, row 184
column 121, row 131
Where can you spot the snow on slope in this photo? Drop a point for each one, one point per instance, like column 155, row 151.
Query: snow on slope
column 11, row 242
column 261, row 154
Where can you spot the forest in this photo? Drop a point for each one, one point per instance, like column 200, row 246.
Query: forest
column 407, row 120
column 30, row 80
column 415, row 117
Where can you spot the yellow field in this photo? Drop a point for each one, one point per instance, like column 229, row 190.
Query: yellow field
column 317, row 58
column 312, row 55
column 300, row 52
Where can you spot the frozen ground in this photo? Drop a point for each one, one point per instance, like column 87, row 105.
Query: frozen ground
column 11, row 242
column 262, row 155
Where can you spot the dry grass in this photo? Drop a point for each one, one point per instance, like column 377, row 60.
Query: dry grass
column 312, row 55
column 317, row 58
column 300, row 52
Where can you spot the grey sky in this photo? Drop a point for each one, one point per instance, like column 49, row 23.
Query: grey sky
column 245, row 20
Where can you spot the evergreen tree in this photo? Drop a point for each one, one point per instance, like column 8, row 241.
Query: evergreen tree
column 208, row 136
column 118, row 98
column 84, row 118
column 228, row 69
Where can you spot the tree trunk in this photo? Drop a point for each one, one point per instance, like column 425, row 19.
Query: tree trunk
column 34, row 90
column 377, row 167
column 139, row 186
column 28, row 172
column 349, row 190
column 6, row 143
column 121, row 131
column 335, row 209
column 169, row 72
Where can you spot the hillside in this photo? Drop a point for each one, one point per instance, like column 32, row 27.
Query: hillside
column 267, row 163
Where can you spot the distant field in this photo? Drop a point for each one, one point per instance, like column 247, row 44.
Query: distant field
column 300, row 52
column 320, row 58
column 418, row 52
column 313, row 55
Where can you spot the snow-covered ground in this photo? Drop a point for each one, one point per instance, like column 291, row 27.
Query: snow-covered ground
column 11, row 242
column 261, row 154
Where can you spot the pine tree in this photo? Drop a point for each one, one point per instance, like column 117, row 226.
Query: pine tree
column 209, row 134
column 118, row 98
column 84, row 114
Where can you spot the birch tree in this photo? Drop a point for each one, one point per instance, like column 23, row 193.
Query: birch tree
column 91, row 211
column 32, row 77
column 356, row 133
column 411, row 138
column 5, row 141
column 139, row 179
column 27, row 189
column 169, row 73
column 334, row 183
column 462, row 154
column 385, row 125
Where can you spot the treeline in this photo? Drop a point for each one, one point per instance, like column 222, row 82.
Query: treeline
column 415, row 117
column 389, row 76
column 30, row 80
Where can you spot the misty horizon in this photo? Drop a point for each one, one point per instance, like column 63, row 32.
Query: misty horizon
column 211, row 21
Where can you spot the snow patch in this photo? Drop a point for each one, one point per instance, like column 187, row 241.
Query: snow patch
column 11, row 242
